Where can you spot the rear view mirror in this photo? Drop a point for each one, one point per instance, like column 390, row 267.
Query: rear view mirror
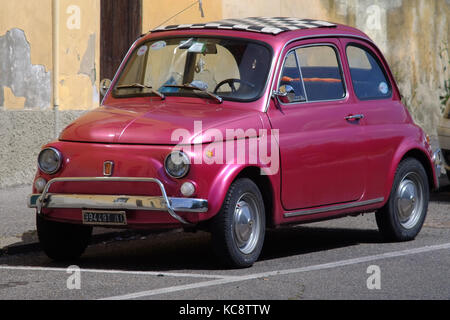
column 198, row 47
column 105, row 84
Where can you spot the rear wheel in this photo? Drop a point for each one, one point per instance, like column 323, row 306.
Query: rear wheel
column 402, row 218
column 62, row 241
column 238, row 231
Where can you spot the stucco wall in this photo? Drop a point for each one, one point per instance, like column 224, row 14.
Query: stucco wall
column 22, row 133
column 27, row 117
column 154, row 13
column 25, row 63
column 79, row 52
column 26, row 54
column 411, row 33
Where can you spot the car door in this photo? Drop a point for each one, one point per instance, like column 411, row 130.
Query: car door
column 323, row 161
column 385, row 119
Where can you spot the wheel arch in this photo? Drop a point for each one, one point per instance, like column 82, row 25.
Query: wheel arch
column 417, row 153
column 426, row 163
column 267, row 184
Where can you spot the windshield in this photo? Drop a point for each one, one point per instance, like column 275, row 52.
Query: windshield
column 233, row 69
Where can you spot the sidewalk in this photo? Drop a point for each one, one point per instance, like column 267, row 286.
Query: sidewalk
column 18, row 223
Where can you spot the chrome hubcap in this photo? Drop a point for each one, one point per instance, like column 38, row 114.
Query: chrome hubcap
column 409, row 200
column 246, row 223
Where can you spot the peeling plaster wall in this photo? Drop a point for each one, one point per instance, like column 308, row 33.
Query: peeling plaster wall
column 79, row 54
column 411, row 33
column 27, row 118
column 31, row 82
column 35, row 19
column 26, row 54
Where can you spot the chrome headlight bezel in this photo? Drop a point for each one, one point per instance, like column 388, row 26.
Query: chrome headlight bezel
column 184, row 163
column 57, row 154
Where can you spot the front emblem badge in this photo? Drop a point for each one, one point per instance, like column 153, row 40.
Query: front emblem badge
column 108, row 168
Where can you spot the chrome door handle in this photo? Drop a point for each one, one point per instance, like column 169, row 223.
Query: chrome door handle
column 355, row 117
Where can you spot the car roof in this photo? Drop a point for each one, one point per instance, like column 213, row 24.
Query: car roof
column 274, row 30
column 267, row 25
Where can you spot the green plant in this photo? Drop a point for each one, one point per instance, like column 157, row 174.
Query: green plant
column 445, row 58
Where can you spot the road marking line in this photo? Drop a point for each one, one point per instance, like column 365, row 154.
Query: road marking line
column 140, row 273
column 325, row 266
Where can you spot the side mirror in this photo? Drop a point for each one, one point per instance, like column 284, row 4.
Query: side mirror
column 286, row 94
column 105, row 84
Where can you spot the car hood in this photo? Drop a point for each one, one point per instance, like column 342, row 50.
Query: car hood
column 163, row 124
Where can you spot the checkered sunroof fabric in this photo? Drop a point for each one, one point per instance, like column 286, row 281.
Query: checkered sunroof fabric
column 268, row 25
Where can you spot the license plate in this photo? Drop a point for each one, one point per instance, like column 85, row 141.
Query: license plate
column 104, row 218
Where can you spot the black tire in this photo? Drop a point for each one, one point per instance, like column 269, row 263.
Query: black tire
column 410, row 195
column 62, row 241
column 243, row 203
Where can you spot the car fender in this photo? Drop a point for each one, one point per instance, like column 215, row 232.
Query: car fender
column 415, row 148
column 224, row 179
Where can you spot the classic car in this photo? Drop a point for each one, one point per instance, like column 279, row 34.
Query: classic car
column 234, row 127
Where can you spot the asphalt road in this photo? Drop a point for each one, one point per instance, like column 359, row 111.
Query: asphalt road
column 340, row 259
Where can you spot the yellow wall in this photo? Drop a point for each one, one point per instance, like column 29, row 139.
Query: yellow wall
column 34, row 19
column 79, row 67
column 411, row 33
column 79, row 53
column 155, row 13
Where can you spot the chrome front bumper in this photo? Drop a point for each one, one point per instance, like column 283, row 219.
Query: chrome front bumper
column 111, row 202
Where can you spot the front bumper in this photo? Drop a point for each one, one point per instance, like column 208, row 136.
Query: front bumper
column 48, row 200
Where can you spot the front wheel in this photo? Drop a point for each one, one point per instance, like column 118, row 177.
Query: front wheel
column 403, row 216
column 62, row 241
column 238, row 230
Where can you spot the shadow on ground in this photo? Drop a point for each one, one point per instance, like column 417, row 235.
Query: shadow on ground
column 178, row 251
column 443, row 194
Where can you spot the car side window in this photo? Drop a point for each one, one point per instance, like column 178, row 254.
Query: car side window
column 369, row 80
column 321, row 72
column 291, row 79
column 316, row 74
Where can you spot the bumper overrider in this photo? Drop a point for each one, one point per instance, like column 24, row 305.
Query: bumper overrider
column 439, row 163
column 171, row 205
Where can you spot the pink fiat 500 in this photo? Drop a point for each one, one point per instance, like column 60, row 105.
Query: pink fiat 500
column 234, row 127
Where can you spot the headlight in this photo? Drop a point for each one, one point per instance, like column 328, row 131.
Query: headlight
column 50, row 161
column 177, row 164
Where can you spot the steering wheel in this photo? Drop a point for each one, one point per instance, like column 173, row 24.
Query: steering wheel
column 231, row 83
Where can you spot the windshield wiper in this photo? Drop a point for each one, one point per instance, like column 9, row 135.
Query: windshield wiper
column 141, row 86
column 195, row 89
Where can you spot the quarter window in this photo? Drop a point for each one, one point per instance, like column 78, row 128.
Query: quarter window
column 314, row 73
column 369, row 80
column 291, row 80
